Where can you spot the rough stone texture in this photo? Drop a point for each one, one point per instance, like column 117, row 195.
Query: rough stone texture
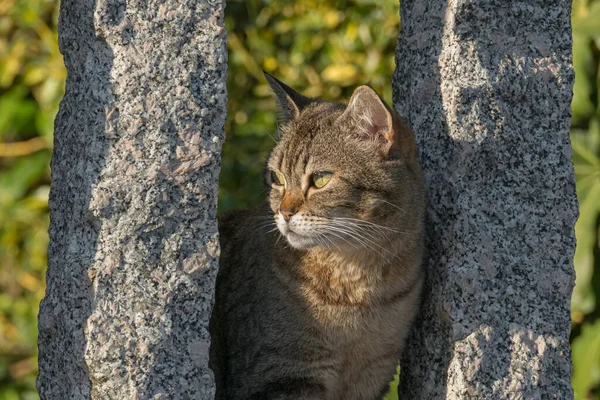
column 486, row 85
column 133, row 236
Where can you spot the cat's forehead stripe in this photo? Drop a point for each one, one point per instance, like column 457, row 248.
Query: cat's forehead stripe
column 305, row 137
column 297, row 161
column 281, row 162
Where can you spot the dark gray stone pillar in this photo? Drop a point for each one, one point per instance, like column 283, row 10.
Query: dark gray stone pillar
column 133, row 237
column 486, row 86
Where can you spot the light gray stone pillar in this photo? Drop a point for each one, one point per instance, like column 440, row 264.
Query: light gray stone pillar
column 486, row 86
column 133, row 236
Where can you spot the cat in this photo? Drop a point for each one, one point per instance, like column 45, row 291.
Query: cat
column 319, row 285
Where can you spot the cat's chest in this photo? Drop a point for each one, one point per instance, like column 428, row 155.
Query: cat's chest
column 343, row 309
column 339, row 286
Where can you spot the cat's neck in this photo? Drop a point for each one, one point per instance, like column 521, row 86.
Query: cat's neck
column 352, row 277
column 364, row 259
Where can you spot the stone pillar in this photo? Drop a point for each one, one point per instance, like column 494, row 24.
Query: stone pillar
column 133, row 249
column 486, row 86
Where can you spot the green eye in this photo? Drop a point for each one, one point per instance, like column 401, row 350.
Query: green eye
column 320, row 179
column 277, row 178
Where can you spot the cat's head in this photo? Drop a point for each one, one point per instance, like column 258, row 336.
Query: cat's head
column 342, row 176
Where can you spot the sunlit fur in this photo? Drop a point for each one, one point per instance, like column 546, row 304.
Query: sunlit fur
column 319, row 307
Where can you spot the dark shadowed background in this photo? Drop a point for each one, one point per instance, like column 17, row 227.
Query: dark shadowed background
column 322, row 48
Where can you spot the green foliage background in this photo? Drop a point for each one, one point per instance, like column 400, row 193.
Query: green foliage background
column 326, row 48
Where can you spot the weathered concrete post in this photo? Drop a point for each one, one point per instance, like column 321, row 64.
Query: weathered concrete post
column 133, row 237
column 486, row 85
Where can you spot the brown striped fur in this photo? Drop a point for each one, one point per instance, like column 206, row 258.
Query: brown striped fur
column 319, row 307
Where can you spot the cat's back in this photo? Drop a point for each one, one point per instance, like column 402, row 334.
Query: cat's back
column 242, row 259
column 255, row 312
column 242, row 232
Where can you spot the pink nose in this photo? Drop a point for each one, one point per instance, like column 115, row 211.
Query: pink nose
column 287, row 213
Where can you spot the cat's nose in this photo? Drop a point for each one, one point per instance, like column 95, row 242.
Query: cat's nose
column 287, row 213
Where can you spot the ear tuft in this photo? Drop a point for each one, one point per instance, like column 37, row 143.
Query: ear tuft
column 289, row 102
column 371, row 117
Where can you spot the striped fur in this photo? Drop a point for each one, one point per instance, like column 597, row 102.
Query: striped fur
column 319, row 307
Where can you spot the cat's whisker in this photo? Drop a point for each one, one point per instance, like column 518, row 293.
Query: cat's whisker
column 365, row 231
column 270, row 225
column 362, row 222
column 363, row 228
column 363, row 234
column 342, row 238
column 374, row 225
column 278, row 239
column 358, row 231
column 262, row 217
column 368, row 223
column 364, row 242
column 271, row 221
column 391, row 204
column 266, row 225
column 271, row 136
column 331, row 241
column 321, row 240
column 263, row 225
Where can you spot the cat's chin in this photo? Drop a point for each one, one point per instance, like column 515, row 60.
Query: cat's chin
column 300, row 242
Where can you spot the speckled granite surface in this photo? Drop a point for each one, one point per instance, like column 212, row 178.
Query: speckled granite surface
column 486, row 86
column 133, row 236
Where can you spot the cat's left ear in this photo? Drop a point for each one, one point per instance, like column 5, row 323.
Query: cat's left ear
column 289, row 102
column 372, row 119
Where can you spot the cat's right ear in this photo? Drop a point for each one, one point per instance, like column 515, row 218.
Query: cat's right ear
column 289, row 102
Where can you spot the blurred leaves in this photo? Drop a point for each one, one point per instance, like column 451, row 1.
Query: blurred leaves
column 586, row 157
column 586, row 358
column 32, row 78
column 393, row 393
column 585, row 139
column 321, row 48
column 586, row 42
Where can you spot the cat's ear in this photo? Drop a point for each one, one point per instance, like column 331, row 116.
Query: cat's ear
column 371, row 118
column 289, row 102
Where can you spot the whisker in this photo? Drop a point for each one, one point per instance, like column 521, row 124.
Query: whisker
column 341, row 237
column 263, row 217
column 363, row 241
column 360, row 231
column 391, row 204
column 267, row 133
column 266, row 225
column 363, row 229
column 374, row 225
column 331, row 241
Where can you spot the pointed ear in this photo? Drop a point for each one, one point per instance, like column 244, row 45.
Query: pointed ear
column 372, row 119
column 289, row 102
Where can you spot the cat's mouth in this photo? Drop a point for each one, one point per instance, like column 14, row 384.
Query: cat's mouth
column 295, row 239
column 298, row 241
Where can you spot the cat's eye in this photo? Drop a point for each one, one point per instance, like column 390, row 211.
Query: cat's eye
column 277, row 178
column 321, row 179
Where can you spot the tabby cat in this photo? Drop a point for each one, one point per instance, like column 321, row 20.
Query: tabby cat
column 318, row 287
